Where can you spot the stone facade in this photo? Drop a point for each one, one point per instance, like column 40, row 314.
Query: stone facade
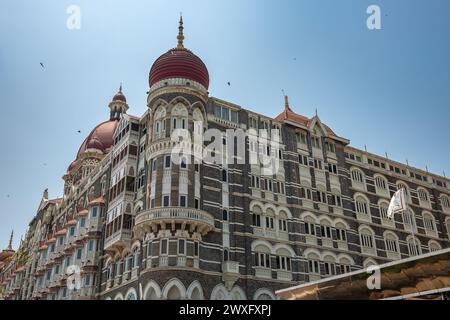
column 137, row 225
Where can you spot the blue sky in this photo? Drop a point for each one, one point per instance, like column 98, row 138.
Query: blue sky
column 386, row 88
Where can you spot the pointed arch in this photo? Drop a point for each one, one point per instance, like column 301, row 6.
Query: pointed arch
column 369, row 262
column 195, row 291
column 131, row 294
column 219, row 293
column 180, row 99
column 237, row 293
column 264, row 294
column 174, row 290
column 152, row 291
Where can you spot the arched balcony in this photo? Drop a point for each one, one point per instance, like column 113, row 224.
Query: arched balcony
column 193, row 220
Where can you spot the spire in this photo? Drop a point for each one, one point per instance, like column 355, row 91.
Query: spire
column 180, row 36
column 120, row 88
column 10, row 240
column 286, row 102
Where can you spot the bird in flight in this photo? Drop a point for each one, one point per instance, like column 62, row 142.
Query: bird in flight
column 42, row 65
column 79, row 131
column 229, row 84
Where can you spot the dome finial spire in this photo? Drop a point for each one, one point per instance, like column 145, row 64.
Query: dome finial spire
column 180, row 36
column 286, row 101
column 10, row 240
column 120, row 88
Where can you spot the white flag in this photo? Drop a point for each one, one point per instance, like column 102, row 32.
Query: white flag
column 397, row 204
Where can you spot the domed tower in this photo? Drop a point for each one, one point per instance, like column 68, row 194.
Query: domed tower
column 96, row 145
column 178, row 70
column 173, row 217
column 118, row 105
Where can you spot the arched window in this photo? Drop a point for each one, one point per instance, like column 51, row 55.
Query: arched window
column 423, row 195
column 225, row 215
column 325, row 229
column 429, row 222
column 381, row 184
column 391, row 242
column 383, row 206
column 409, row 220
column 179, row 117
column 313, row 263
column 282, row 221
column 262, row 256
column 402, row 185
column 445, row 201
column 357, row 176
column 256, row 213
column 361, row 205
column 159, row 123
column 283, row 259
column 270, row 218
column 345, row 264
column 341, row 231
column 414, row 248
column 310, row 225
column 434, row 246
column 329, row 264
column 367, row 238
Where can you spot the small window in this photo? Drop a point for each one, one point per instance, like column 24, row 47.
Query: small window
column 163, row 246
column 181, row 246
column 94, row 212
column 183, row 164
column 167, row 162
column 82, row 222
column 183, row 201
column 226, row 255
column 196, row 249
column 154, row 165
column 166, row 201
column 91, row 245
column 197, row 203
column 79, row 253
column 224, row 175
column 72, row 231
column 257, row 220
column 152, row 202
column 225, row 215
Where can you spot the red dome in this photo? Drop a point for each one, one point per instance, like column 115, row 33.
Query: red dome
column 179, row 63
column 120, row 97
column 101, row 138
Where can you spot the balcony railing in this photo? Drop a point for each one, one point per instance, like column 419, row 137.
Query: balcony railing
column 122, row 235
column 263, row 272
column 230, row 267
column 203, row 220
